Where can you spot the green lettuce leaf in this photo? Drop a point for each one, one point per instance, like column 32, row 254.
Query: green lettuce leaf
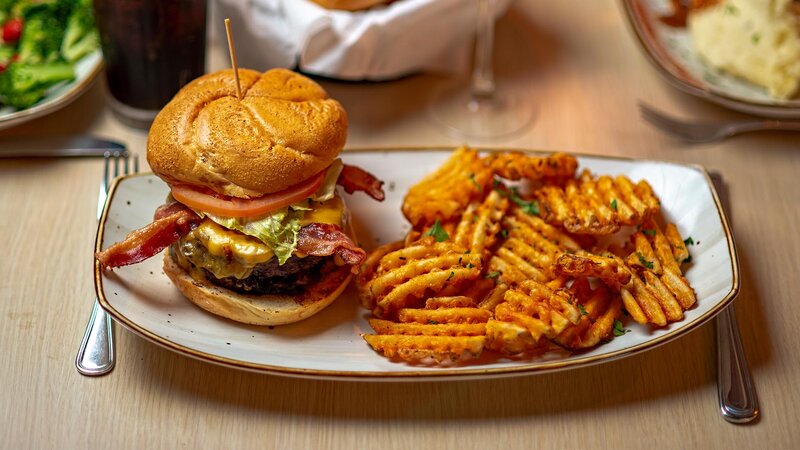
column 278, row 230
column 326, row 190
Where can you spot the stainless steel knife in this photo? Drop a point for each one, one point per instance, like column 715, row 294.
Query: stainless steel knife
column 57, row 146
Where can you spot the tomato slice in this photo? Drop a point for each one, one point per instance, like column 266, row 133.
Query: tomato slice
column 223, row 205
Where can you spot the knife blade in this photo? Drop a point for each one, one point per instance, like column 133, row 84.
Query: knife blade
column 57, row 146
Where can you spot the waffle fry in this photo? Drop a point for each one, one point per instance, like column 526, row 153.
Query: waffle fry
column 518, row 165
column 644, row 257
column 671, row 252
column 367, row 271
column 658, row 293
column 641, row 304
column 479, row 226
column 597, row 207
column 599, row 310
column 443, row 194
column 614, row 274
column 446, row 329
column 588, row 213
column 507, row 267
column 420, row 348
column 449, row 302
column 509, row 338
column 444, row 315
column 669, row 304
column 680, row 287
column 443, row 331
column 405, row 276
column 530, row 250
column 527, row 314
column 675, row 240
column 494, row 297
column 539, row 309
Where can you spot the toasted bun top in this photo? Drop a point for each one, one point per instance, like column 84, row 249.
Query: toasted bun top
column 349, row 5
column 284, row 130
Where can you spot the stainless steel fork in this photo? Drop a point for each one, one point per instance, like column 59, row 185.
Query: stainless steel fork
column 96, row 353
column 704, row 132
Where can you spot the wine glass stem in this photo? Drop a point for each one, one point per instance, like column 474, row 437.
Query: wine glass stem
column 482, row 75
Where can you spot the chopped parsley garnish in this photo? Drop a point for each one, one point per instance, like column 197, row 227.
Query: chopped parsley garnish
column 475, row 182
column 582, row 309
column 755, row 38
column 614, row 204
column 528, row 207
column 492, row 275
column 688, row 241
column 438, row 232
column 451, row 275
column 531, row 207
column 504, row 233
column 688, row 259
column 468, row 252
column 470, row 265
column 649, row 232
column 619, row 330
column 433, row 322
column 644, row 261
column 731, row 9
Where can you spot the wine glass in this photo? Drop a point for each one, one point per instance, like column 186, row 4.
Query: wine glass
column 481, row 110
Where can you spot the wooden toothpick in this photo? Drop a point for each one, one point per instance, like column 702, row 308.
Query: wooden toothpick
column 232, row 51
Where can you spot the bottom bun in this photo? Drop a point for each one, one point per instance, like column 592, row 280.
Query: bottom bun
column 259, row 309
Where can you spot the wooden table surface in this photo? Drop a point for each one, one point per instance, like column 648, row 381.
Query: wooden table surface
column 578, row 63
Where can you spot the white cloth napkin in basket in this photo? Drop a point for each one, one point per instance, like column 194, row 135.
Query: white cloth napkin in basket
column 405, row 37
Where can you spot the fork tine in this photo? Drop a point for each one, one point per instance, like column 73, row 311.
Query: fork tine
column 689, row 132
column 106, row 170
column 659, row 120
column 116, row 163
column 126, row 162
column 135, row 163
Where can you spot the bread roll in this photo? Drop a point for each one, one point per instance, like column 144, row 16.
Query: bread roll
column 349, row 5
column 284, row 130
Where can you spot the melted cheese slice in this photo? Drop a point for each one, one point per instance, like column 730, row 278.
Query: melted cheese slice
column 230, row 253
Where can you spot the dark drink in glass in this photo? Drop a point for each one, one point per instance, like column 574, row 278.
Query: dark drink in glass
column 151, row 48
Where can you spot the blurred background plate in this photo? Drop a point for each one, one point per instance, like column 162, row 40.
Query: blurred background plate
column 671, row 52
column 86, row 69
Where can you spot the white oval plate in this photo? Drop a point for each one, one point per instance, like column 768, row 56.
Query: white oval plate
column 329, row 345
column 86, row 69
column 671, row 52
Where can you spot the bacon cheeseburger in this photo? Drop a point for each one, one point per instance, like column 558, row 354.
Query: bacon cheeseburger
column 254, row 228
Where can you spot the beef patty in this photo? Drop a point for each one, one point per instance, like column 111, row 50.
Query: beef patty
column 289, row 278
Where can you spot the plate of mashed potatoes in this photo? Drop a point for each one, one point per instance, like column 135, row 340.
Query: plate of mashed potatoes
column 742, row 54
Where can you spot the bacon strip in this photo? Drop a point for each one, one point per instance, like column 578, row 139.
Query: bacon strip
column 355, row 178
column 174, row 220
column 169, row 209
column 324, row 239
column 152, row 239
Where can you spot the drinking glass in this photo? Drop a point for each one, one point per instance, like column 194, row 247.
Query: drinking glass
column 481, row 110
column 151, row 49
